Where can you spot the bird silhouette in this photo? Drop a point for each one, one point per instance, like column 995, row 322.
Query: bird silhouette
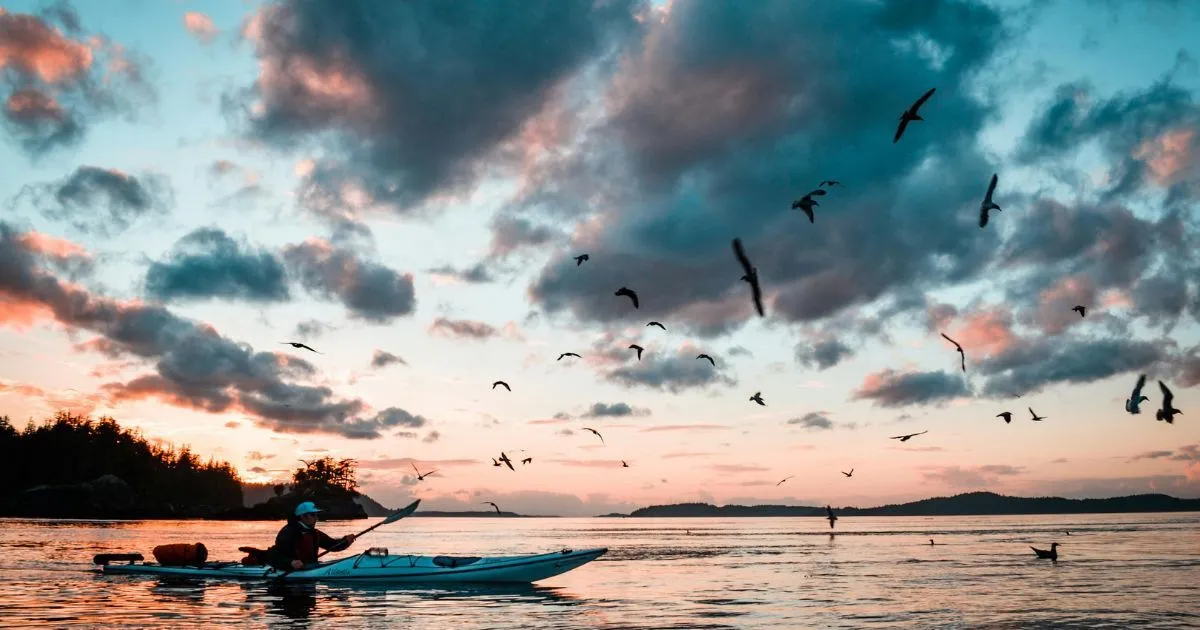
column 987, row 203
column 784, row 479
column 1168, row 411
column 568, row 354
column 634, row 346
column 751, row 275
column 596, row 432
column 832, row 517
column 1051, row 555
column 501, row 383
column 629, row 293
column 496, row 462
column 1007, row 415
column 905, row 438
column 507, row 462
column 492, row 504
column 930, row 542
column 527, row 460
column 829, row 182
column 757, row 397
column 806, row 204
column 1081, row 309
column 848, row 474
column 1035, row 418
column 657, row 324
column 298, row 345
column 911, row 114
column 1132, row 404
column 710, row 359
column 421, row 477
column 961, row 354
column 580, row 258
column 623, row 464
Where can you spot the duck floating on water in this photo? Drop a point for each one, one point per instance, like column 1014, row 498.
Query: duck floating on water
column 1047, row 555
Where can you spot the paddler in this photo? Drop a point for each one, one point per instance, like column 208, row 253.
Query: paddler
column 297, row 544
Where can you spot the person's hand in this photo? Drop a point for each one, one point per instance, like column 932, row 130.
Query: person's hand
column 296, row 564
column 349, row 538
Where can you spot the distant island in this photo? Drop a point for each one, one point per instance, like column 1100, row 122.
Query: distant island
column 968, row 504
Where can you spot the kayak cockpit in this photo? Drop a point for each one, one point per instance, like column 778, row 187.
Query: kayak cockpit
column 451, row 562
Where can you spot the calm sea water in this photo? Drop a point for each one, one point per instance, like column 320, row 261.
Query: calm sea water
column 1115, row 571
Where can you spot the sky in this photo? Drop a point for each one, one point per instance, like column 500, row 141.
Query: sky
column 404, row 187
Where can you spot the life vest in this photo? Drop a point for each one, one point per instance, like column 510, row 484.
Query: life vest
column 306, row 546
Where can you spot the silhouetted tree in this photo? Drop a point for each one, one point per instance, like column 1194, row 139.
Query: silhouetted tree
column 326, row 477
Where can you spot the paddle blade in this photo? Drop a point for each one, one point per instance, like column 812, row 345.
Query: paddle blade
column 402, row 512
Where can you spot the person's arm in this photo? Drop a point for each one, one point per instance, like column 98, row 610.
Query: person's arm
column 283, row 552
column 333, row 544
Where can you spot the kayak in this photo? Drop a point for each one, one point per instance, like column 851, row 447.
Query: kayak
column 375, row 567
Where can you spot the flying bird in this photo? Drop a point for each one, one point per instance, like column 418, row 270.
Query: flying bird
column 657, row 324
column 596, row 432
column 298, row 346
column 623, row 464
column 757, row 397
column 830, row 182
column 905, row 438
column 634, row 346
column 1135, row 399
column 784, row 479
column 848, row 474
column 527, row 460
column 629, row 293
column 568, row 354
column 1035, row 418
column 911, row 114
column 580, row 258
column 1007, row 415
column 1047, row 555
column 962, row 355
column 501, row 383
column 806, row 204
column 1081, row 309
column 492, row 504
column 421, row 477
column 832, row 517
column 987, row 203
column 751, row 275
column 710, row 359
column 496, row 462
column 1167, row 412
column 507, row 462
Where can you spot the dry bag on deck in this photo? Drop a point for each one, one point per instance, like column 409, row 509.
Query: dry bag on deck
column 181, row 554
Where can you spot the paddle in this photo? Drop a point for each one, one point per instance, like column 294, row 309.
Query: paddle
column 392, row 518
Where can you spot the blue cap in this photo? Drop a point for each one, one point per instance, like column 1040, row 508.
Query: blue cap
column 307, row 508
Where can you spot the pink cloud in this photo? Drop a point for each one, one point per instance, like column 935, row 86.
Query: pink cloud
column 988, row 330
column 201, row 26
column 1168, row 156
column 33, row 48
column 1054, row 312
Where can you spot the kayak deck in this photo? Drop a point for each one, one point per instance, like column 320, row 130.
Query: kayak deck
column 386, row 568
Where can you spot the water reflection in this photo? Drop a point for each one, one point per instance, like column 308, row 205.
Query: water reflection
column 294, row 601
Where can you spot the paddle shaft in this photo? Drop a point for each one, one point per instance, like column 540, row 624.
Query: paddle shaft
column 358, row 535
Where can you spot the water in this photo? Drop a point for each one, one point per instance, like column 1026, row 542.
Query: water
column 1115, row 571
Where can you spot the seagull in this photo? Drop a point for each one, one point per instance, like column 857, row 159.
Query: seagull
column 596, row 432
column 629, row 293
column 848, row 474
column 806, row 204
column 905, row 438
column 930, row 542
column 1135, row 399
column 492, row 504
column 962, row 354
column 496, row 462
column 421, row 477
column 757, row 397
column 657, row 324
column 1007, row 415
column 784, row 479
column 1047, row 555
column 623, row 464
column 1167, row 413
column 911, row 114
column 634, row 346
column 568, row 354
column 1036, row 418
column 527, row 460
column 831, row 517
column 507, row 462
column 987, row 203
column 297, row 345
column 1081, row 309
column 830, row 182
column 710, row 359
column 751, row 275
column 580, row 258
column 501, row 383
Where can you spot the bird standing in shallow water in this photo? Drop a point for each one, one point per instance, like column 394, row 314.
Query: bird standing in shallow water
column 1047, row 555
column 831, row 516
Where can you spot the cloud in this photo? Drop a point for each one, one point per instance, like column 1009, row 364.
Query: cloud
column 587, row 463
column 614, row 410
column 431, row 437
column 463, row 329
column 685, row 427
column 823, row 354
column 738, row 468
column 813, row 420
column 475, row 274
column 382, row 359
column 370, row 291
column 1151, row 455
column 673, row 373
column 510, row 234
column 972, row 477
column 890, row 388
column 1034, row 364
column 311, row 329
column 201, row 26
column 409, row 97
column 55, row 78
column 208, row 263
column 98, row 199
column 194, row 366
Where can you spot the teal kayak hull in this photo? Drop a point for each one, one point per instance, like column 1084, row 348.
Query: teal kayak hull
column 386, row 569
